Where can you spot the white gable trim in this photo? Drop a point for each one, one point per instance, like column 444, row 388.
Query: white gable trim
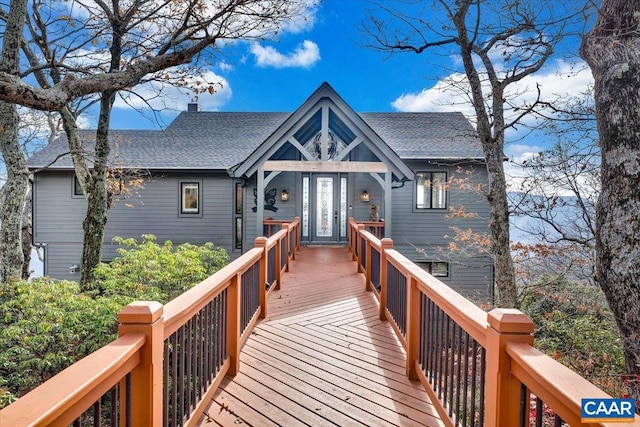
column 323, row 98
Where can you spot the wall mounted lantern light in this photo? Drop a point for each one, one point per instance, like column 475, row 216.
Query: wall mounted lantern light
column 284, row 196
column 364, row 196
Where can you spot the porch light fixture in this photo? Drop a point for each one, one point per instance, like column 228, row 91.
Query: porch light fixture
column 284, row 196
column 364, row 196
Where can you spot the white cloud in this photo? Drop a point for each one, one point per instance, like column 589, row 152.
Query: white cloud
column 305, row 55
column 559, row 80
column 225, row 66
column 163, row 96
column 449, row 94
column 304, row 21
column 513, row 170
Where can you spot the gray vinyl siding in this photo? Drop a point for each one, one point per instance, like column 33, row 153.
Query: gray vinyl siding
column 364, row 181
column 59, row 257
column 153, row 209
column 424, row 235
column 58, row 217
column 286, row 210
column 249, row 216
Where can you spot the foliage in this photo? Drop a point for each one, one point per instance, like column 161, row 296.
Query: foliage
column 575, row 326
column 494, row 56
column 47, row 325
column 156, row 272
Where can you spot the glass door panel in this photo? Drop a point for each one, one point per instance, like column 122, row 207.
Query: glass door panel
column 328, row 207
column 324, row 207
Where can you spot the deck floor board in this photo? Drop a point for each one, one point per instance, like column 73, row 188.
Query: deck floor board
column 322, row 357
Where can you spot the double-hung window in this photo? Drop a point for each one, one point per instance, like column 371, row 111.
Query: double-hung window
column 431, row 190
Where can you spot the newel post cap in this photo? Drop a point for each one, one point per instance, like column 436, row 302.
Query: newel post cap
column 510, row 321
column 141, row 312
column 260, row 241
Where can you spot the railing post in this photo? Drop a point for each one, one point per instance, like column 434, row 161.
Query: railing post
column 286, row 249
column 233, row 323
column 350, row 237
column 297, row 236
column 385, row 245
column 145, row 317
column 413, row 327
column 502, row 397
column 261, row 242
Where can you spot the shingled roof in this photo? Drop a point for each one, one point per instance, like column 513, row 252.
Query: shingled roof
column 220, row 140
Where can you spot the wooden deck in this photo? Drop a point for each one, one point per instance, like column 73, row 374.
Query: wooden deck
column 322, row 357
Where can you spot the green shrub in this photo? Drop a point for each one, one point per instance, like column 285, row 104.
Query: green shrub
column 575, row 326
column 47, row 325
column 155, row 272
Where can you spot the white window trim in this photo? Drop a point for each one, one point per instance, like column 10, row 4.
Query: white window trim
column 188, row 212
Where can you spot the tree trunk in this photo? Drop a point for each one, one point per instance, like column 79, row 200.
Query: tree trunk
column 96, row 219
column 491, row 134
column 15, row 191
column 505, row 288
column 27, row 235
column 17, row 183
column 93, row 226
column 612, row 50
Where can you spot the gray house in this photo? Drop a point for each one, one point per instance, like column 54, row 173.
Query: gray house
column 216, row 176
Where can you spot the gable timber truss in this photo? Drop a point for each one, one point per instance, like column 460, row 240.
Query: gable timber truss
column 318, row 115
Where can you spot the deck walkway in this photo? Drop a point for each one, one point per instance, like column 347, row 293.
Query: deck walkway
column 322, row 357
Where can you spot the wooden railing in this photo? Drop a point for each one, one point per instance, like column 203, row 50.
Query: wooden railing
column 272, row 226
column 169, row 360
column 480, row 369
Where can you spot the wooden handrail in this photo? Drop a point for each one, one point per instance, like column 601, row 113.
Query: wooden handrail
column 182, row 308
column 505, row 334
column 558, row 386
column 66, row 396
column 462, row 311
column 138, row 352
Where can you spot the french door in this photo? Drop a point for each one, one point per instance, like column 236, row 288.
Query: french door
column 328, row 207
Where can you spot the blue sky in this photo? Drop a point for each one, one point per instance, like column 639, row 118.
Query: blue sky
column 280, row 75
column 271, row 77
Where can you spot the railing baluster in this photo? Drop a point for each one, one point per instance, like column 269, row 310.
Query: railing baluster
column 271, row 269
column 445, row 355
column 375, row 268
column 173, row 382
column 459, row 373
column 524, row 410
column 127, row 411
column 465, row 389
column 557, row 421
column 474, row 373
column 539, row 407
column 483, row 373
